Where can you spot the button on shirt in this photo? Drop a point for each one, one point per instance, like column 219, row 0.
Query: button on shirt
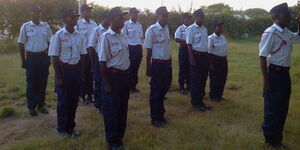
column 197, row 36
column 133, row 32
column 113, row 49
column 276, row 45
column 67, row 46
column 85, row 28
column 35, row 37
column 95, row 36
column 217, row 45
column 158, row 39
column 180, row 33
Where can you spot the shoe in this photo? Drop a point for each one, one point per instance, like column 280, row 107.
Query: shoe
column 99, row 111
column 90, row 99
column 74, row 133
column 82, row 99
column 62, row 133
column 276, row 145
column 202, row 107
column 43, row 110
column 135, row 90
column 32, row 112
column 159, row 123
column 223, row 99
column 182, row 91
column 116, row 146
column 215, row 99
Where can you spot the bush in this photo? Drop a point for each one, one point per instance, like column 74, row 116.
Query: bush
column 7, row 111
column 8, row 46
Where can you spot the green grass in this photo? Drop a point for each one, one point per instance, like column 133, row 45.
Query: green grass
column 233, row 125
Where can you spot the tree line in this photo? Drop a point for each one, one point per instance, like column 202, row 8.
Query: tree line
column 238, row 23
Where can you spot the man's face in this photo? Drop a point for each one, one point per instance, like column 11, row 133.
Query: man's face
column 71, row 21
column 284, row 19
column 134, row 16
column 118, row 21
column 106, row 21
column 200, row 19
column 219, row 29
column 87, row 13
column 163, row 19
column 36, row 15
column 188, row 21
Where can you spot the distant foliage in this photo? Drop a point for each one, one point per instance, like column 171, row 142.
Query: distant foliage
column 15, row 12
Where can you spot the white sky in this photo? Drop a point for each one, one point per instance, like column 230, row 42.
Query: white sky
column 185, row 4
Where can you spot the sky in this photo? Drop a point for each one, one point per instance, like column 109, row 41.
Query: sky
column 185, row 4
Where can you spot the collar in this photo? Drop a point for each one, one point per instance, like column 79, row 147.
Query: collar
column 84, row 21
column 184, row 25
column 159, row 26
column 101, row 27
column 215, row 35
column 33, row 24
column 278, row 27
column 65, row 31
column 196, row 25
column 112, row 32
column 131, row 22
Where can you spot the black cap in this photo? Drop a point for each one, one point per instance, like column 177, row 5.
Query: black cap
column 116, row 11
column 35, row 8
column 105, row 14
column 161, row 10
column 70, row 13
column 85, row 7
column 198, row 12
column 281, row 8
column 217, row 23
column 186, row 15
column 134, row 10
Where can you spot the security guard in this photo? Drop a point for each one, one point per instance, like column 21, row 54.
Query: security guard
column 217, row 50
column 158, row 65
column 85, row 27
column 93, row 41
column 183, row 54
column 197, row 44
column 114, row 63
column 67, row 49
column 134, row 33
column 33, row 41
column 275, row 53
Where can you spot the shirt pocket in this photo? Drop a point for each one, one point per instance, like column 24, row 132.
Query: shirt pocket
column 115, row 49
column 159, row 39
column 197, row 38
column 131, row 32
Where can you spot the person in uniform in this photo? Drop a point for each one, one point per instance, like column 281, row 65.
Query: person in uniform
column 275, row 50
column 67, row 49
column 114, row 63
column 183, row 54
column 158, row 65
column 33, row 41
column 93, row 41
column 197, row 44
column 134, row 33
column 217, row 51
column 85, row 26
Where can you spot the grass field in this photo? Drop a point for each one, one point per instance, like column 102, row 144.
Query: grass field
column 232, row 125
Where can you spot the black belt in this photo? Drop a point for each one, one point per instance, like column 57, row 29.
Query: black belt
column 279, row 68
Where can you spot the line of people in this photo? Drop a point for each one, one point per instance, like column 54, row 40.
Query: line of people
column 100, row 64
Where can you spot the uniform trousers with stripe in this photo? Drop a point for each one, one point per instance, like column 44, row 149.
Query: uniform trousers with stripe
column 37, row 71
column 218, row 76
column 276, row 104
column 115, row 105
column 161, row 78
column 68, row 95
column 184, row 68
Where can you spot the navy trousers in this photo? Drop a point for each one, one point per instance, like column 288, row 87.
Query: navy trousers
column 199, row 74
column 218, row 76
column 135, row 56
column 68, row 95
column 161, row 78
column 276, row 105
column 37, row 71
column 184, row 68
column 87, row 86
column 97, row 84
column 115, row 106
